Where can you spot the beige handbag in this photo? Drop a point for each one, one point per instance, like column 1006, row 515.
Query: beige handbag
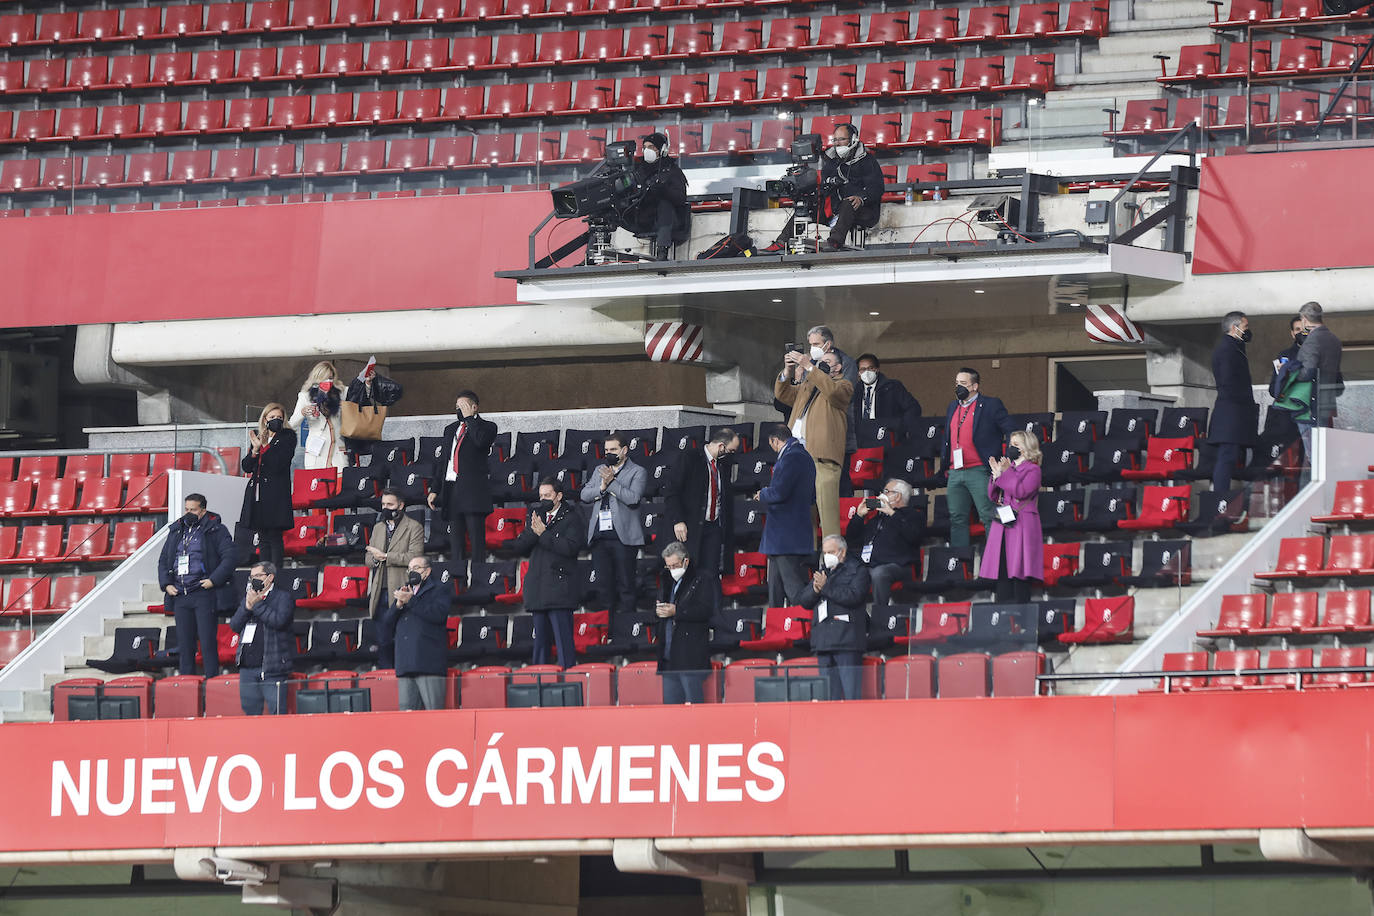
column 362, row 421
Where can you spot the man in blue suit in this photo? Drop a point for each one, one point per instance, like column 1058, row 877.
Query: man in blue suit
column 977, row 425
column 789, row 534
column 417, row 621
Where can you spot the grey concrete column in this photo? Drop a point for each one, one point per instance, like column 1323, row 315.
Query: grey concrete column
column 742, row 355
column 1181, row 366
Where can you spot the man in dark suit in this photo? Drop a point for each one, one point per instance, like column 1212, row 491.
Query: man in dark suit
column 267, row 647
column 1235, row 417
column 1278, row 424
column 887, row 538
column 878, row 397
column 789, row 534
column 463, row 494
column 196, row 572
column 687, row 598
column 552, row 539
column 977, row 425
column 839, row 633
column 1320, row 358
column 698, row 504
column 417, row 622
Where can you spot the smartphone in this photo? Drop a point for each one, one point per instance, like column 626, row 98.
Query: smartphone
column 793, row 347
column 873, row 502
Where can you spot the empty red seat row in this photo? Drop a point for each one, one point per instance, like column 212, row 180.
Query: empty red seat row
column 1232, row 114
column 1289, row 12
column 1288, row 57
column 1201, row 671
column 1292, row 613
column 266, row 199
column 43, row 595
column 93, row 542
column 1307, row 557
column 97, row 496
column 1082, row 18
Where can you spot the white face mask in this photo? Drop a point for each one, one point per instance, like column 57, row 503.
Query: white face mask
column 678, row 573
column 868, row 376
column 650, row 155
column 841, row 150
column 817, row 354
column 831, row 560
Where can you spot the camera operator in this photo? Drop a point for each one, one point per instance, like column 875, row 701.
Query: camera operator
column 851, row 190
column 661, row 207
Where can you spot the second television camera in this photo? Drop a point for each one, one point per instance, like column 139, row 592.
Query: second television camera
column 602, row 200
column 802, row 183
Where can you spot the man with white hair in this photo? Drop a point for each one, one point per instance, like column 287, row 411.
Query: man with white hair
column 839, row 592
column 886, row 533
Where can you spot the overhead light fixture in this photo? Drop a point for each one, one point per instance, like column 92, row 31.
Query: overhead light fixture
column 978, row 291
column 874, row 314
column 777, row 300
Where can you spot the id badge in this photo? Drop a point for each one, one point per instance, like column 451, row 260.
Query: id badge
column 956, row 458
column 249, row 632
column 868, row 552
column 1006, row 514
column 183, row 565
column 605, row 523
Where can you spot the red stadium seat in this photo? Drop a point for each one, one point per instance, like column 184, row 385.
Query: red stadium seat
column 692, row 40
column 338, row 586
column 735, row 86
column 935, row 26
column 39, row 544
column 1160, row 508
column 19, row 174
column 183, row 20
column 376, row 107
column 147, row 168
column 685, row 90
column 982, row 75
column 492, row 148
column 646, row 43
column 51, row 497
column 38, row 467
column 638, row 93
column 1060, row 560
column 1233, row 661
column 963, row 675
column 83, row 467
column 145, row 494
column 1035, row 20
column 191, row 165
column 879, row 131
column 985, row 24
column 452, row 152
column 299, row 61
column 980, row 127
column 741, row 37
column 1353, row 502
column 160, row 119
column 226, row 18
column 471, row 51
column 16, row 28
column 1031, row 73
column 549, row 98
column 204, row 117
column 1239, row 615
column 87, row 541
column 591, row 95
column 333, row 108
column 46, row 75
column 142, row 22
column 305, row 532
column 9, row 541
column 12, row 80
column 782, row 84
column 418, row 105
column 462, row 102
column 56, row 27
column 938, row 623
column 12, row 642
column 35, row 125
column 1350, row 555
column 86, row 72
column 1104, row 620
column 99, row 25
column 171, row 67
column 730, row 136
column 1346, row 612
column 514, row 50
column 247, row 114
column 786, row 35
column 1298, row 557
column 1014, row 674
column 1344, row 657
column 600, row 45
column 782, row 627
column 99, row 495
column 351, row 13
column 1084, row 19
column 310, row 14
column 1183, row 661
column 1195, row 62
column 932, row 76
column 507, row 99
column 180, row 696
column 1293, row 612
column 428, row 54
column 28, row 595
column 394, row 11
column 214, row 67
column 59, row 172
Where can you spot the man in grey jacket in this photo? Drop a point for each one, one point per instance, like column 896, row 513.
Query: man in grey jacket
column 614, row 530
column 1320, row 357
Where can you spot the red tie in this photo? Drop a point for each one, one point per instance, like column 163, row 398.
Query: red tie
column 457, row 444
column 711, row 508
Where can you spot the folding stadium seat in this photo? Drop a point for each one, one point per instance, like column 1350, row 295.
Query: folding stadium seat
column 129, row 536
column 1345, row 657
column 784, row 35
column 13, row 642
column 1160, row 508
column 28, row 596
column 1242, row 12
column 35, row 125
column 549, row 99
column 1295, row 108
column 9, row 542
column 340, row 586
column 783, row 629
column 730, row 136
column 1292, row 613
column 514, row 50
column 394, row 11
column 879, row 131
column 646, row 43
column 98, row 25
column 1195, row 62
column 782, row 83
column 985, row 24
column 1105, row 620
column 60, row 172
column 835, row 32
column 1350, row 555
column 982, row 75
column 934, row 26
column 37, row 468
column 557, row 48
column 146, row 168
column 1014, row 674
column 204, row 117
column 1345, row 612
column 1030, row 73
column 1239, row 615
column 741, row 37
column 732, row 87
column 1298, row 56
column 84, row 72
column 1299, row 557
column 1104, row 565
column 524, row 8
column 1060, row 560
column 1180, row 662
column 214, row 67
column 507, row 99
column 353, row 13
column 83, row 467
column 160, row 119
column 602, row 45
column 40, row 544
column 462, row 102
column 172, row 67
column 884, row 28
column 427, row 55
column 1243, row 60
column 638, row 93
column 275, row 161
column 1084, row 19
column 776, row 136
column 1106, row 508
column 190, row 166
column 142, row 22
column 376, row 108
column 1202, row 111
column 12, row 80
column 51, row 497
column 16, row 498
column 56, row 28
column 471, row 51
column 963, row 675
column 321, row 158
column 299, row 62
column 930, row 77
column 693, row 39
column 16, row 28
column 46, row 75
column 309, row 14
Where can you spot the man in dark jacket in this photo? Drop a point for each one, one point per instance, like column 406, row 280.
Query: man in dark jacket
column 267, row 647
column 788, row 531
column 462, row 488
column 687, row 598
column 887, row 539
column 977, row 425
column 851, row 190
column 1320, row 358
column 552, row 538
column 196, row 572
column 417, row 620
column 1235, row 417
column 698, row 504
column 878, row 397
column 839, row 593
column 661, row 208
column 1278, row 424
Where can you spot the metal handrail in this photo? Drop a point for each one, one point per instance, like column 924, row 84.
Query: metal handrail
column 67, row 452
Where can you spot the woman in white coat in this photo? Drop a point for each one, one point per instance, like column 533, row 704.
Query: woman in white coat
column 316, row 419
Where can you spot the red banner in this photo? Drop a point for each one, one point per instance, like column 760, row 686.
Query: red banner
column 292, row 259
column 1230, row 761
column 1282, row 211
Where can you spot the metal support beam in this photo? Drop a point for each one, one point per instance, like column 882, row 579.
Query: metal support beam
column 644, row 857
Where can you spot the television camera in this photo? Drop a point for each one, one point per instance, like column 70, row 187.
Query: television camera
column 602, row 199
column 804, row 186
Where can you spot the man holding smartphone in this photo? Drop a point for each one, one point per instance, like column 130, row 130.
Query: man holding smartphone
column 687, row 598
column 886, row 533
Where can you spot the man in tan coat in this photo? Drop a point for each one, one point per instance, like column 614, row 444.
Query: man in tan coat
column 396, row 540
column 815, row 386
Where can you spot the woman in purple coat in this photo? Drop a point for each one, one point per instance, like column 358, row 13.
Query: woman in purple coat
column 1015, row 551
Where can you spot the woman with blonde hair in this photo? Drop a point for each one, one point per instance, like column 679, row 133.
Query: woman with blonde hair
column 1015, row 550
column 267, row 501
column 316, row 418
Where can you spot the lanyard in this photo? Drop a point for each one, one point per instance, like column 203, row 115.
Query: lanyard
column 962, row 414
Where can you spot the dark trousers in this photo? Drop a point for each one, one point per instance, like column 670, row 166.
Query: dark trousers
column 257, row 690
column 194, row 613
column 475, row 526
column 845, row 218
column 557, row 627
column 614, row 564
column 884, row 576
column 270, row 547
column 845, row 671
column 710, row 549
column 1227, row 453
column 786, row 580
column 1009, row 590
column 684, row 687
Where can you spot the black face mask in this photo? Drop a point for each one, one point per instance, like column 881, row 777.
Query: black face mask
column 1246, row 336
column 961, row 392
column 390, row 515
column 1013, row 452
column 258, row 585
column 611, row 460
column 275, row 424
column 414, row 579
column 1301, row 338
column 544, row 505
column 190, row 520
